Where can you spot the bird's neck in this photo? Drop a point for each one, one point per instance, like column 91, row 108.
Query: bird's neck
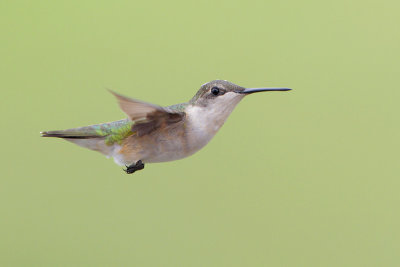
column 204, row 122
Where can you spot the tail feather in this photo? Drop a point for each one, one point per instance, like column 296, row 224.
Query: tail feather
column 88, row 137
column 69, row 134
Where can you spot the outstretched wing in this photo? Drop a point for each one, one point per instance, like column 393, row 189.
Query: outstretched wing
column 147, row 116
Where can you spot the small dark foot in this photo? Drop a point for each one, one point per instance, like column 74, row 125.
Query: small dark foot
column 134, row 167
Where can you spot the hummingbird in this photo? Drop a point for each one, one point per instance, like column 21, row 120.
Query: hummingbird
column 152, row 133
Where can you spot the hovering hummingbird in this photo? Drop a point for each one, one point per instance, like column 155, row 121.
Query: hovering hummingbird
column 156, row 134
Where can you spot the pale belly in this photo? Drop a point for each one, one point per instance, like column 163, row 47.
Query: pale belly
column 178, row 148
column 162, row 147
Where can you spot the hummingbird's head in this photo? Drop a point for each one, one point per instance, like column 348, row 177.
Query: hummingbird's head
column 217, row 92
column 215, row 100
column 224, row 94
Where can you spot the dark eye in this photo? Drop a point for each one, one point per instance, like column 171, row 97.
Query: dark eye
column 215, row 90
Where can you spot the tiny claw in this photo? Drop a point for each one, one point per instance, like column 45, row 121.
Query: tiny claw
column 139, row 165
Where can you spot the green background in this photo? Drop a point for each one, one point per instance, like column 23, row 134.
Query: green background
column 304, row 178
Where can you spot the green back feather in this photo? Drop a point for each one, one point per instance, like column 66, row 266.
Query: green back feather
column 114, row 132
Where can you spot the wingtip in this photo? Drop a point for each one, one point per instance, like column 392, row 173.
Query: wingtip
column 110, row 91
column 118, row 96
column 114, row 93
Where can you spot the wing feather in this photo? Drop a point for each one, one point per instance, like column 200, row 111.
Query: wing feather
column 147, row 117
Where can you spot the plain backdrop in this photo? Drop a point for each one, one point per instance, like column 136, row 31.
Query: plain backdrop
column 303, row 178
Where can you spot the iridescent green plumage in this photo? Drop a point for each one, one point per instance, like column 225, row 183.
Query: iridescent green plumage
column 178, row 107
column 114, row 132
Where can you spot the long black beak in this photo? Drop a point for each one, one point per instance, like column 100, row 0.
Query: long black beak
column 255, row 90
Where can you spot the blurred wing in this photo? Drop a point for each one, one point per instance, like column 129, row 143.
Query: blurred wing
column 147, row 116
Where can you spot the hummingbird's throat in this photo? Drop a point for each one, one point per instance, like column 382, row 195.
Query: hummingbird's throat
column 212, row 116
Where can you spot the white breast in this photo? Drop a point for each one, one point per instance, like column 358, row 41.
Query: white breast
column 204, row 122
column 200, row 128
